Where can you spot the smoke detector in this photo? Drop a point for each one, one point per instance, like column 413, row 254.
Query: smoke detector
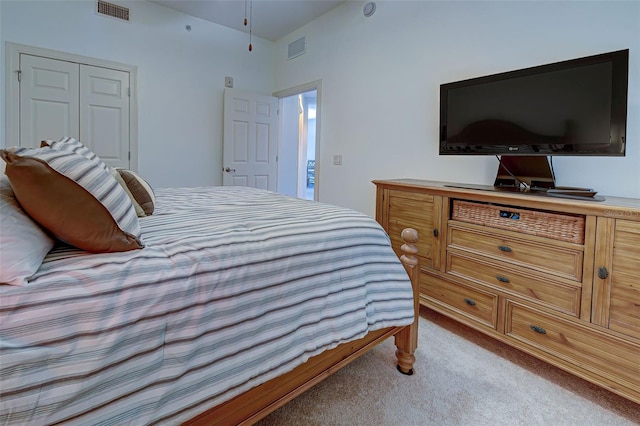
column 369, row 9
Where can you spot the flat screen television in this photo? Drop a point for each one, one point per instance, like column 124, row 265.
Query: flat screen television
column 575, row 107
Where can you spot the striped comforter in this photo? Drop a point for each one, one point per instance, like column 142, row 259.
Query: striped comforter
column 234, row 287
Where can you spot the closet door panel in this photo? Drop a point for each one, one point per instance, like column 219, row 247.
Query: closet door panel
column 104, row 113
column 49, row 100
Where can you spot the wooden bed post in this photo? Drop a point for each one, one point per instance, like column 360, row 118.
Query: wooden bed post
column 406, row 340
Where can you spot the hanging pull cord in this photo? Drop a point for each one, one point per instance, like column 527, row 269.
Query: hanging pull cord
column 250, row 23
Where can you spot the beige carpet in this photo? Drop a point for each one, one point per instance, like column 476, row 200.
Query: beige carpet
column 462, row 378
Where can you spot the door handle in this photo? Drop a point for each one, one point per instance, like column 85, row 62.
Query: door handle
column 228, row 170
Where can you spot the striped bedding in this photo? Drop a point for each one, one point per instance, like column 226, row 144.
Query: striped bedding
column 235, row 286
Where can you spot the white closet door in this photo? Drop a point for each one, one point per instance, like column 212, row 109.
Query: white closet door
column 104, row 113
column 49, row 100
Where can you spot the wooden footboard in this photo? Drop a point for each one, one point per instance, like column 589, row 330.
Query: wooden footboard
column 257, row 403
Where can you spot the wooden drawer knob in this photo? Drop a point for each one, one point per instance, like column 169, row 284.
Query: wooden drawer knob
column 603, row 273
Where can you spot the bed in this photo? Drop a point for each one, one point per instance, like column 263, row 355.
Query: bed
column 240, row 300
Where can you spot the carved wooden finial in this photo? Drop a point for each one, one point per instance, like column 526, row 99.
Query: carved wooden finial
column 409, row 248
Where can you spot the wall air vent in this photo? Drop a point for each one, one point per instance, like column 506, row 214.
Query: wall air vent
column 297, row 48
column 112, row 10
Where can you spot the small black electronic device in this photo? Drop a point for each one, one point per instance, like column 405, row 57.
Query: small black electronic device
column 568, row 190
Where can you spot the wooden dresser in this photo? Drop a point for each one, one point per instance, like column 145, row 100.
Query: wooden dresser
column 557, row 278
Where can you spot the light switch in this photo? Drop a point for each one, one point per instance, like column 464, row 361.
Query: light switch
column 337, row 160
column 228, row 82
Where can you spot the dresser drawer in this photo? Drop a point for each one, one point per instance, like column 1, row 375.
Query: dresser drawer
column 481, row 306
column 561, row 261
column 591, row 349
column 557, row 226
column 563, row 297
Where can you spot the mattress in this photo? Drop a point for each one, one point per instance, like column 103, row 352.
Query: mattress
column 234, row 287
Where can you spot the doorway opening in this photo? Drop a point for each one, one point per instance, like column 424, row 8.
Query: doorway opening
column 298, row 173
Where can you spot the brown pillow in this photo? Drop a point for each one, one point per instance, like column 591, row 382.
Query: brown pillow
column 93, row 176
column 139, row 212
column 63, row 207
column 139, row 189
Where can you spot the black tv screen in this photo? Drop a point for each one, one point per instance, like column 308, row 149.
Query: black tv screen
column 574, row 107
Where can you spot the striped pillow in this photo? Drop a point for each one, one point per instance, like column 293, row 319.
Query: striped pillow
column 73, row 145
column 138, row 190
column 95, row 179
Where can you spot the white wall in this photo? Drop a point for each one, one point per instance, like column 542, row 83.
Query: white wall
column 180, row 75
column 380, row 79
column 381, row 76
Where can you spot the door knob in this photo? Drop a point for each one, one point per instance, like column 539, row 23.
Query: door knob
column 229, row 170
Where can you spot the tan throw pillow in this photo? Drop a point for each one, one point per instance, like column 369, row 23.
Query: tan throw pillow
column 66, row 209
column 140, row 190
column 124, row 186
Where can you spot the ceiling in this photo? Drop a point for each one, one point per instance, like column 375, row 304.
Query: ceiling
column 272, row 19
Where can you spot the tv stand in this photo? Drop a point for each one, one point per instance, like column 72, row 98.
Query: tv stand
column 533, row 174
column 525, row 172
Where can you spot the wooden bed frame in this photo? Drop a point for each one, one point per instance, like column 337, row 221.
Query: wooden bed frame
column 258, row 402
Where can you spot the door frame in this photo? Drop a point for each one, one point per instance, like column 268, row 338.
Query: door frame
column 12, row 90
column 297, row 90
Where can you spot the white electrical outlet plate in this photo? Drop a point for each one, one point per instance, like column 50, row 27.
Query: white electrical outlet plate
column 337, row 160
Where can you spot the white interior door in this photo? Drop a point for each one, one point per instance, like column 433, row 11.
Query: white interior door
column 104, row 113
column 49, row 99
column 250, row 146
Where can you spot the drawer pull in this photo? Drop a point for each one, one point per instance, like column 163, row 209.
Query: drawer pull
column 503, row 279
column 603, row 273
column 505, row 249
column 435, row 233
column 470, row 302
column 538, row 329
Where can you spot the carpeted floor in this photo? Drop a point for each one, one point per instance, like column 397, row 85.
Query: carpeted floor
column 462, row 378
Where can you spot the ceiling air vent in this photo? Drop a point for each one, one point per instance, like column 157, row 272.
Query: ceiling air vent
column 113, row 10
column 297, row 48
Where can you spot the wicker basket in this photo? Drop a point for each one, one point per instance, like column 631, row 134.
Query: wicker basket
column 564, row 227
